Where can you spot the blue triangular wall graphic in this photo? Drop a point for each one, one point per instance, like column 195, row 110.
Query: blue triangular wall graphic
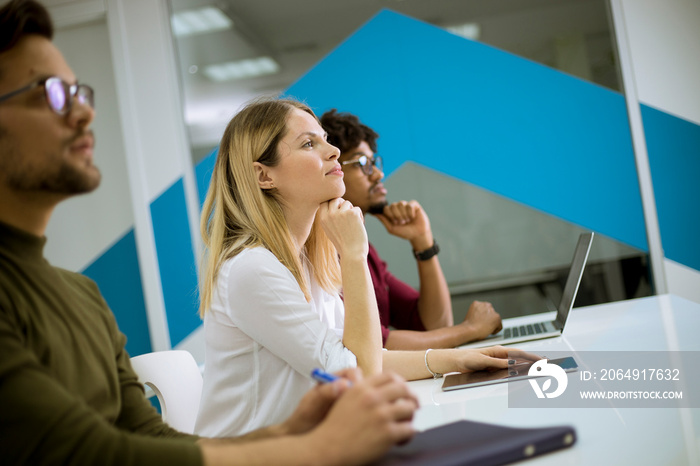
column 520, row 129
column 674, row 159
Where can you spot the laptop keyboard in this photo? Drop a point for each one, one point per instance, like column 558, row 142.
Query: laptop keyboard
column 523, row 330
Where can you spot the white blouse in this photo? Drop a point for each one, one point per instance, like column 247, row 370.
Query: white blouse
column 263, row 339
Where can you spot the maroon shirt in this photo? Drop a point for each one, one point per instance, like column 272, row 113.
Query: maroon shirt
column 397, row 301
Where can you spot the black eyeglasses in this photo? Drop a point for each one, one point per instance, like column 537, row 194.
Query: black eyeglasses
column 59, row 94
column 366, row 164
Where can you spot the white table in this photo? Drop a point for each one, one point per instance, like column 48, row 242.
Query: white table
column 637, row 436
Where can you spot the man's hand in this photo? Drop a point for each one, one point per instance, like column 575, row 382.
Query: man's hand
column 314, row 406
column 347, row 422
column 483, row 320
column 373, row 415
column 408, row 220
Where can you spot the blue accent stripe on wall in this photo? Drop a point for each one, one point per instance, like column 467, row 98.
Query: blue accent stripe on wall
column 118, row 276
column 514, row 127
column 673, row 145
column 178, row 271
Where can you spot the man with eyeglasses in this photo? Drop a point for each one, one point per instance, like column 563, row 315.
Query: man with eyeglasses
column 420, row 319
column 68, row 394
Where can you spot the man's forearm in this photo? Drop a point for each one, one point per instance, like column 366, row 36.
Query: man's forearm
column 435, row 302
column 285, row 450
column 446, row 337
column 274, row 431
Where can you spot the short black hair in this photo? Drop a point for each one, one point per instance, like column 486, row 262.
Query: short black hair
column 346, row 132
column 19, row 18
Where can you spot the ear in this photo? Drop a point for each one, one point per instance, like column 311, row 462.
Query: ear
column 262, row 173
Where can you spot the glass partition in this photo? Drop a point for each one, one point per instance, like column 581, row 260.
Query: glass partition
column 494, row 249
column 232, row 51
column 497, row 250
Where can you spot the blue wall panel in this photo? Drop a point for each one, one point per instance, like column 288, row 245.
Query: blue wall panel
column 673, row 145
column 117, row 274
column 509, row 125
column 178, row 271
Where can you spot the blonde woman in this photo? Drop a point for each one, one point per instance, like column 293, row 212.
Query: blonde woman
column 281, row 243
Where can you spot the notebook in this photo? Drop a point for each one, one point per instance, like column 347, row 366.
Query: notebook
column 469, row 442
column 546, row 329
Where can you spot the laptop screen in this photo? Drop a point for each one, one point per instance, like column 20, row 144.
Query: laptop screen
column 574, row 279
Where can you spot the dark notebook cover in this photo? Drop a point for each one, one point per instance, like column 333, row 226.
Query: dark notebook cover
column 467, row 442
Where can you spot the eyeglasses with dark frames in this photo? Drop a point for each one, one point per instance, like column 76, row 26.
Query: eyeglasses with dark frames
column 59, row 94
column 366, row 164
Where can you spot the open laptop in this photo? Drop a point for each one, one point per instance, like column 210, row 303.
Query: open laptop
column 547, row 329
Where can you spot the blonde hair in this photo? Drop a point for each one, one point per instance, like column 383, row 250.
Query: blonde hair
column 238, row 214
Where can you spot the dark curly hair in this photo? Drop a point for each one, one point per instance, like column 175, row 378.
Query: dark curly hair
column 19, row 18
column 346, row 132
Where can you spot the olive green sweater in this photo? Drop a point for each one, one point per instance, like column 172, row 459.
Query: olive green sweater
column 68, row 394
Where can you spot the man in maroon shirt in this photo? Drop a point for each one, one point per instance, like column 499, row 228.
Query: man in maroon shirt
column 421, row 319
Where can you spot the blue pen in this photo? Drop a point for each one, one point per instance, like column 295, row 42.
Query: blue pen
column 322, row 376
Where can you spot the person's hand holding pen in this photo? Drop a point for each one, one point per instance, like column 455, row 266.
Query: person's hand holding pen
column 376, row 413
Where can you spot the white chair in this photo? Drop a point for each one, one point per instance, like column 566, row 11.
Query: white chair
column 177, row 382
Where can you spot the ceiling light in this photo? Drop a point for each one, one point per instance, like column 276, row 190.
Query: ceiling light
column 241, row 69
column 199, row 21
column 466, row 30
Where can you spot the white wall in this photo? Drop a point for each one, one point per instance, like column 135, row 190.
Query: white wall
column 85, row 226
column 664, row 43
column 155, row 136
column 123, row 48
column 682, row 281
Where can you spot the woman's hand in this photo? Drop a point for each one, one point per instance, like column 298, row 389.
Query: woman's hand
column 468, row 360
column 344, row 225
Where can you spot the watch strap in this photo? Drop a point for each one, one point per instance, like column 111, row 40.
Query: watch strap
column 427, row 253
